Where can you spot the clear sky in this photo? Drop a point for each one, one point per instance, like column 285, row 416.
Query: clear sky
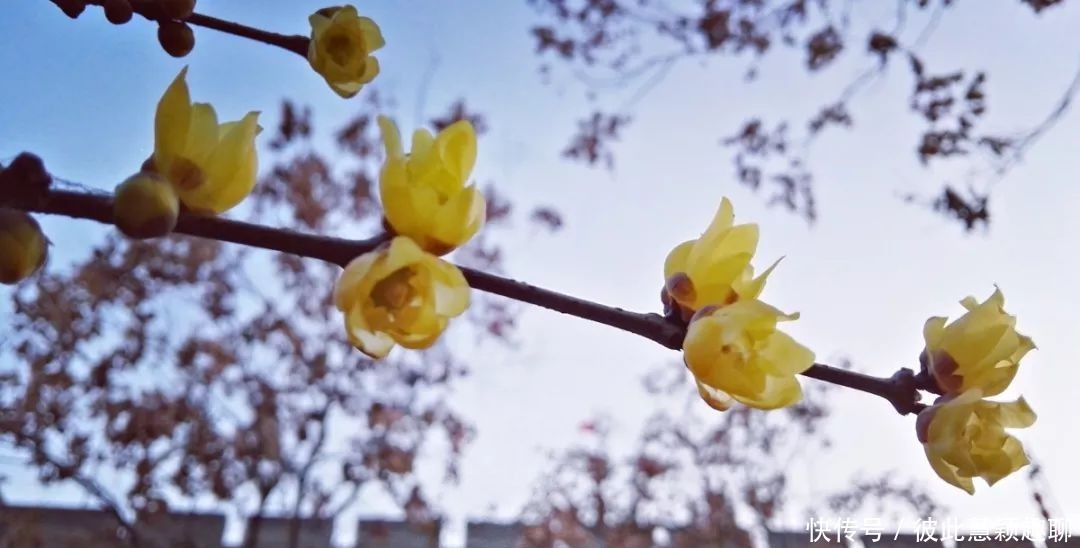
column 865, row 276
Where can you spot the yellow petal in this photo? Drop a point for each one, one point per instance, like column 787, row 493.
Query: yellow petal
column 451, row 288
column 725, row 216
column 172, row 120
column 702, row 347
column 1008, row 459
column 230, row 170
column 391, row 137
column 948, row 472
column 714, row 285
column 934, row 331
column 971, row 347
column 1014, row 414
column 396, row 197
column 992, row 381
column 420, row 341
column 456, row 147
column 203, row 134
column 371, row 70
column 345, row 288
column 346, row 89
column 460, row 218
column 373, row 38
column 778, row 392
column 374, row 344
column 319, row 24
column 753, row 288
column 346, row 13
column 711, row 257
column 240, row 185
column 783, row 356
column 424, row 206
column 717, row 399
column 676, row 259
column 422, row 144
column 401, row 253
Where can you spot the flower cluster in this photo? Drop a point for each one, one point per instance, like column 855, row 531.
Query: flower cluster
column 733, row 346
column 207, row 166
column 403, row 292
column 971, row 358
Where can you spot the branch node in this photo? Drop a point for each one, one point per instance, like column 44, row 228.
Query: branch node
column 904, row 392
column 25, row 179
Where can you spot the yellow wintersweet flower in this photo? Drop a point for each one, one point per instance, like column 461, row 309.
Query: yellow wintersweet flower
column 424, row 193
column 399, row 294
column 715, row 268
column 981, row 349
column 23, row 246
column 736, row 352
column 341, row 46
column 964, row 437
column 212, row 166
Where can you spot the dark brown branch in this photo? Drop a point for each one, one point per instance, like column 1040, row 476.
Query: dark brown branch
column 294, row 43
column 902, row 389
column 151, row 9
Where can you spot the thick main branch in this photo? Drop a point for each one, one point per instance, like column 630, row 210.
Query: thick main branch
column 902, row 390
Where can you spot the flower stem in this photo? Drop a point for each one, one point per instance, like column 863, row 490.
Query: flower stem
column 151, row 9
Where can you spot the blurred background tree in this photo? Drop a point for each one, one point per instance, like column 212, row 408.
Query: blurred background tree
column 622, row 48
column 157, row 374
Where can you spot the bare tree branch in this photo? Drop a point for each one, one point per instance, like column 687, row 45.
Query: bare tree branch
column 902, row 389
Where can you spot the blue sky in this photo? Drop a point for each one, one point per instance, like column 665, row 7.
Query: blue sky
column 865, row 276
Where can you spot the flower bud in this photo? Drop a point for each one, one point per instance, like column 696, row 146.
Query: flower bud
column 117, row 12
column 145, row 206
column 27, row 173
column 176, row 38
column 23, row 246
column 71, row 8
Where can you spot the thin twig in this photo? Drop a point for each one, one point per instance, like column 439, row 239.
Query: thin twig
column 902, row 389
column 1024, row 143
column 91, row 486
column 151, row 9
column 302, row 476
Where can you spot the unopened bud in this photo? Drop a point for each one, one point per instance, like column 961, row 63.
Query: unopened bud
column 71, row 8
column 27, row 174
column 117, row 12
column 145, row 206
column 176, row 38
column 23, row 246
